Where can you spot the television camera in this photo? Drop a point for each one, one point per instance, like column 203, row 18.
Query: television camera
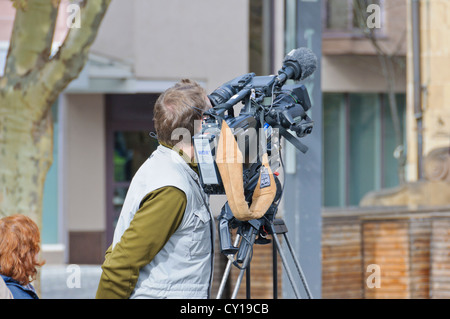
column 270, row 109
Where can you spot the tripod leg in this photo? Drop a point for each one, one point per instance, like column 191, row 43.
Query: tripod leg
column 299, row 269
column 247, row 281
column 275, row 271
column 227, row 271
column 244, row 265
column 283, row 259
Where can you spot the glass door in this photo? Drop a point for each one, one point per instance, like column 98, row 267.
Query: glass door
column 131, row 149
column 129, row 120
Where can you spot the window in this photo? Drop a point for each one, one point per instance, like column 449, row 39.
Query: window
column 359, row 144
column 344, row 16
column 261, row 36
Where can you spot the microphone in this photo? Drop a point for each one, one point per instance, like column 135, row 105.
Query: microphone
column 297, row 65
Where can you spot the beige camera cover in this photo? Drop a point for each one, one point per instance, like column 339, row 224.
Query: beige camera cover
column 229, row 161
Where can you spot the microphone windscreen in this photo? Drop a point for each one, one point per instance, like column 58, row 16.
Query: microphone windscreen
column 306, row 59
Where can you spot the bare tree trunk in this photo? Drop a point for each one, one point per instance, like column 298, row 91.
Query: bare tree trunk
column 25, row 157
column 31, row 84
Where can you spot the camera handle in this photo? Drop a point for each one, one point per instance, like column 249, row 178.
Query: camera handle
column 219, row 110
column 226, row 216
column 292, row 139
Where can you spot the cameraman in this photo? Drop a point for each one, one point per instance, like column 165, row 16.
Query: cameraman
column 163, row 241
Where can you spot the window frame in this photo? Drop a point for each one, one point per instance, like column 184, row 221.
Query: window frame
column 351, row 32
column 343, row 186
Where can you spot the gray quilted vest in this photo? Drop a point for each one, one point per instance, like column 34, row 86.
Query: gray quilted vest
column 184, row 266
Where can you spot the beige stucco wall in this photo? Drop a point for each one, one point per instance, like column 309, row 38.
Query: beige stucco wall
column 435, row 66
column 391, row 37
column 351, row 63
column 84, row 162
column 115, row 38
column 356, row 74
column 168, row 40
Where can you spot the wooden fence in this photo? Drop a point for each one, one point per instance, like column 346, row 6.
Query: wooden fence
column 367, row 253
column 386, row 253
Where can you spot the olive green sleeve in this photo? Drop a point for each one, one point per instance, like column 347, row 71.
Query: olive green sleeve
column 158, row 218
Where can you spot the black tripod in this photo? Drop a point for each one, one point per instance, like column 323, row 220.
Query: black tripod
column 277, row 227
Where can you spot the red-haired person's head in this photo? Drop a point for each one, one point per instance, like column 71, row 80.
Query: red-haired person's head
column 19, row 248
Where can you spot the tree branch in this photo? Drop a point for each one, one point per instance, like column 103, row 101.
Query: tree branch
column 50, row 80
column 31, row 38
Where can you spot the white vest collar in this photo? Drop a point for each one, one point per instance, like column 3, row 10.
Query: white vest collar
column 177, row 159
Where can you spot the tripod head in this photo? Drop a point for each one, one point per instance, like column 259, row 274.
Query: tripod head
column 252, row 231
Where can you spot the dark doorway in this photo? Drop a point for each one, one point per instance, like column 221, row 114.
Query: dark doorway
column 129, row 120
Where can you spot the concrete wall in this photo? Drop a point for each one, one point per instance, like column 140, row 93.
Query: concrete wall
column 168, row 40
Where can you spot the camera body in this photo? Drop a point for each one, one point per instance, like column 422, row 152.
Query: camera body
column 270, row 109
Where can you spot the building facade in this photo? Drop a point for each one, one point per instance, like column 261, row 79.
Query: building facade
column 360, row 142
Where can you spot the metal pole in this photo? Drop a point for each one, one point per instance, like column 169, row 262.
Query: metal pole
column 415, row 24
column 299, row 269
column 247, row 281
column 283, row 259
column 227, row 270
column 244, row 265
column 275, row 270
column 238, row 284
